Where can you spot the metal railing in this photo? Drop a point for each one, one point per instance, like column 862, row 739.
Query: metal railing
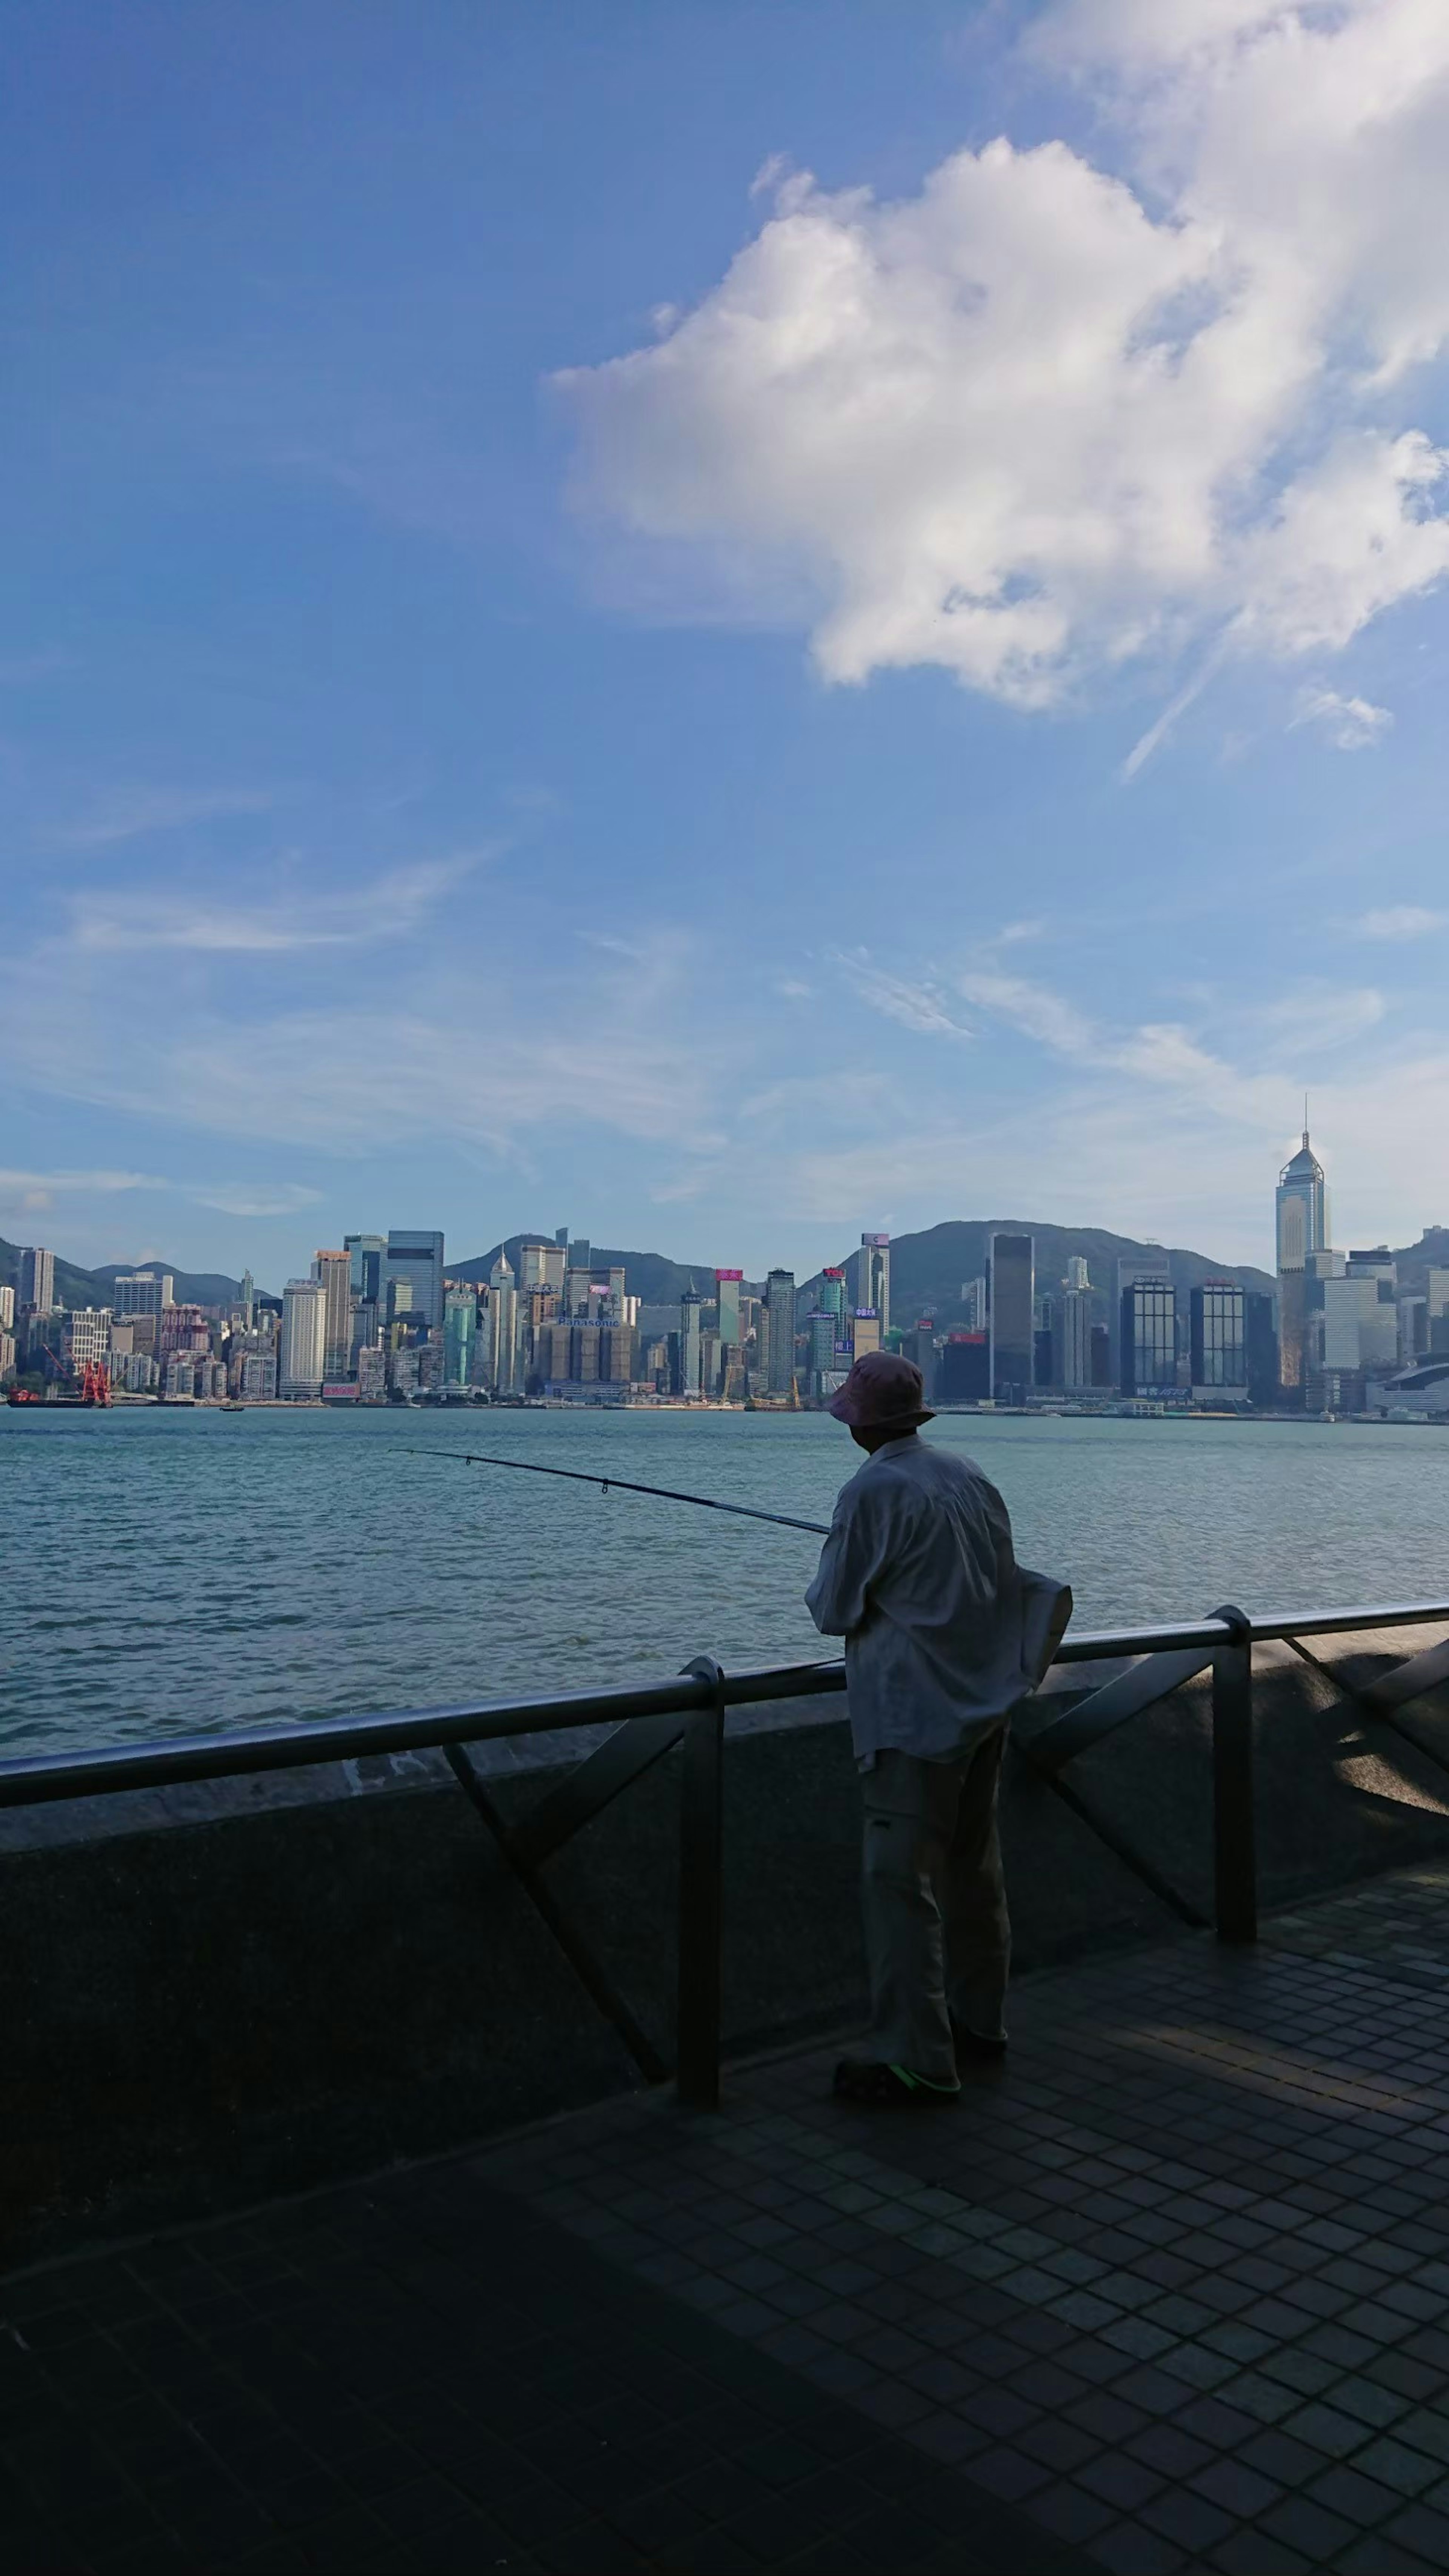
column 650, row 1719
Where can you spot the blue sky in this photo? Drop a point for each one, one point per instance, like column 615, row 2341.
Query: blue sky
column 724, row 625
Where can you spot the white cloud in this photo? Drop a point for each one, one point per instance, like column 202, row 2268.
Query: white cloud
column 12, row 1184
column 132, row 813
column 1322, row 1017
column 1038, row 422
column 1351, row 724
column 1400, row 921
column 255, row 1198
column 913, row 1002
column 255, row 923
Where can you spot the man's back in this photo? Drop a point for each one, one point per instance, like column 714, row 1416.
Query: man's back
column 919, row 1576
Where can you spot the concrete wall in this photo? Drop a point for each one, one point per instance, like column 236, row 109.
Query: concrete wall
column 214, row 1993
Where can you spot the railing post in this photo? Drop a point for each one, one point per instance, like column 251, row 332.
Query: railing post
column 1235, row 1871
column 701, row 1895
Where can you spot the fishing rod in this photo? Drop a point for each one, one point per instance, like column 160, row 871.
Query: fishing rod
column 664, row 1493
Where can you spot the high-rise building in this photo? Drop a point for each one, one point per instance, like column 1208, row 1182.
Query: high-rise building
column 7, row 1307
column 1101, row 1356
column 832, row 1302
column 1302, row 1228
column 367, row 1254
column 88, row 1332
column 1010, row 1282
column 780, row 1307
column 1129, row 1270
column 821, row 1329
column 248, row 1299
column 1149, row 1337
column 460, row 1326
column 872, row 1280
column 302, row 1356
column 418, row 1258
column 142, row 1292
column 181, row 1328
column 727, row 1299
column 689, row 1338
column 503, row 1312
column 964, row 1369
column 1078, row 1275
column 540, row 1264
column 1260, row 1348
column 974, row 1306
column 1075, row 1357
column 35, row 1279
column 1218, row 1340
column 920, row 1346
column 864, row 1332
column 333, row 1272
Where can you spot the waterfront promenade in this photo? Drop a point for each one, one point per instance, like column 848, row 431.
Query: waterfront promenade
column 1169, row 2291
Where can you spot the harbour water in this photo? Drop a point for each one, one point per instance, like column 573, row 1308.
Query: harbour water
column 178, row 1571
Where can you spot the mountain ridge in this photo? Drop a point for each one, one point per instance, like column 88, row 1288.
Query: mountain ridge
column 928, row 1268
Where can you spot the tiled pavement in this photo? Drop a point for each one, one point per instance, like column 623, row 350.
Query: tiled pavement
column 1171, row 2290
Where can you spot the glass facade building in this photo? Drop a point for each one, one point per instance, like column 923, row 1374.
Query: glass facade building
column 1149, row 1337
column 1302, row 1229
column 460, row 1333
column 727, row 1299
column 418, row 1259
column 1013, row 1319
column 780, row 1331
column 1218, row 1338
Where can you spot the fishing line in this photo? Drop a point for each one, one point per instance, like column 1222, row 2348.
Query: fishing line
column 624, row 1484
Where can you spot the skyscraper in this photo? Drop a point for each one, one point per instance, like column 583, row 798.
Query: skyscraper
column 143, row 1292
column 1012, row 1317
column 1218, row 1331
column 1075, row 1308
column 1302, row 1219
column 503, row 1313
column 832, row 1302
column 540, row 1264
column 872, row 1267
column 333, row 1272
column 368, row 1256
column 301, row 1363
column 688, row 1344
column 35, row 1280
column 460, row 1325
column 1149, row 1337
column 727, row 1297
column 418, row 1258
column 780, row 1305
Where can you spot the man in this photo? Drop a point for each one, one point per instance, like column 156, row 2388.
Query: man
column 944, row 1634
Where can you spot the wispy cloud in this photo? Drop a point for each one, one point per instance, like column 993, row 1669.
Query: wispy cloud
column 36, row 1190
column 257, row 923
column 1351, row 724
column 1400, row 921
column 254, row 1198
column 12, row 1182
column 913, row 1002
column 131, row 813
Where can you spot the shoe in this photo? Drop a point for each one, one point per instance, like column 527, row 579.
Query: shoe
column 888, row 2087
column 969, row 2043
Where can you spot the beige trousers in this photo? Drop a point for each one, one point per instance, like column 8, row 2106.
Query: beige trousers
column 937, row 1932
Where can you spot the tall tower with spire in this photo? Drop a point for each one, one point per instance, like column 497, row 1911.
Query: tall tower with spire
column 1302, row 1213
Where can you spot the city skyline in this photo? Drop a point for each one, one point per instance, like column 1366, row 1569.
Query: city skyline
column 496, row 707
column 386, row 1317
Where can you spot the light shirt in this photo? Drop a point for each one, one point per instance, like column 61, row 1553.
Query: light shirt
column 920, row 1577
